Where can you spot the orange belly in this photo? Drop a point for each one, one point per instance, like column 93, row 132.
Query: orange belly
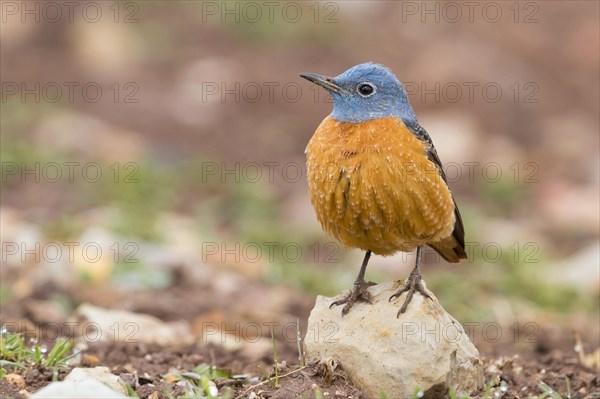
column 373, row 187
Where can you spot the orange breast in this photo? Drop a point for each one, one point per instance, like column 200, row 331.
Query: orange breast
column 373, row 187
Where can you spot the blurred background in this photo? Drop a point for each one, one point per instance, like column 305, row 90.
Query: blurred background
column 153, row 159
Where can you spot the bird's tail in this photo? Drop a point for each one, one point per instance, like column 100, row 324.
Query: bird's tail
column 450, row 249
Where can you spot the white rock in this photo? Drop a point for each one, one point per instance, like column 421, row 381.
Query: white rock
column 77, row 390
column 579, row 270
column 100, row 324
column 425, row 348
column 100, row 374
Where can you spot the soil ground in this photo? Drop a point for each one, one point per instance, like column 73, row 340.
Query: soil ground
column 514, row 368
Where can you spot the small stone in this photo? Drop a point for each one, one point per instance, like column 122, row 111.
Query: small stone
column 100, row 374
column 129, row 379
column 90, row 389
column 579, row 271
column 424, row 348
column 15, row 379
column 131, row 327
column 146, row 391
column 89, row 360
column 44, row 312
column 171, row 378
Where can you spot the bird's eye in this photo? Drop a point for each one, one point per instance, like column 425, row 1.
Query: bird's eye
column 365, row 89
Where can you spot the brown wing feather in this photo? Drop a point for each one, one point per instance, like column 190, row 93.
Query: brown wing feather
column 452, row 249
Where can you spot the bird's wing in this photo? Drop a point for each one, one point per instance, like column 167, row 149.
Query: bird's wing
column 453, row 248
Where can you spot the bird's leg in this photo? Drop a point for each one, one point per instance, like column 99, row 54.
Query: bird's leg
column 413, row 284
column 360, row 289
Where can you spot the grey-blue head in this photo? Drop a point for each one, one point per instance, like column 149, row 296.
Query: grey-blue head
column 365, row 92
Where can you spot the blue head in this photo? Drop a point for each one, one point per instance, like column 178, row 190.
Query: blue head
column 364, row 92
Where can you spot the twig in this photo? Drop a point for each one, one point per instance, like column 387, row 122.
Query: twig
column 275, row 358
column 299, row 343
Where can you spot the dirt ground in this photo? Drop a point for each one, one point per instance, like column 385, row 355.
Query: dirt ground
column 513, row 368
column 144, row 366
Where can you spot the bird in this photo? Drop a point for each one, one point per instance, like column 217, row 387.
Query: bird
column 375, row 179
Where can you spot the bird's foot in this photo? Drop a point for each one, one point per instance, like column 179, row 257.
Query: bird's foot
column 412, row 285
column 360, row 292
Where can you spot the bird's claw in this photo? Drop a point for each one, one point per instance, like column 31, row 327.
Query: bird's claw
column 412, row 285
column 359, row 293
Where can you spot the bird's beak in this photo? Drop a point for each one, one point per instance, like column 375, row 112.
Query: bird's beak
column 324, row 81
